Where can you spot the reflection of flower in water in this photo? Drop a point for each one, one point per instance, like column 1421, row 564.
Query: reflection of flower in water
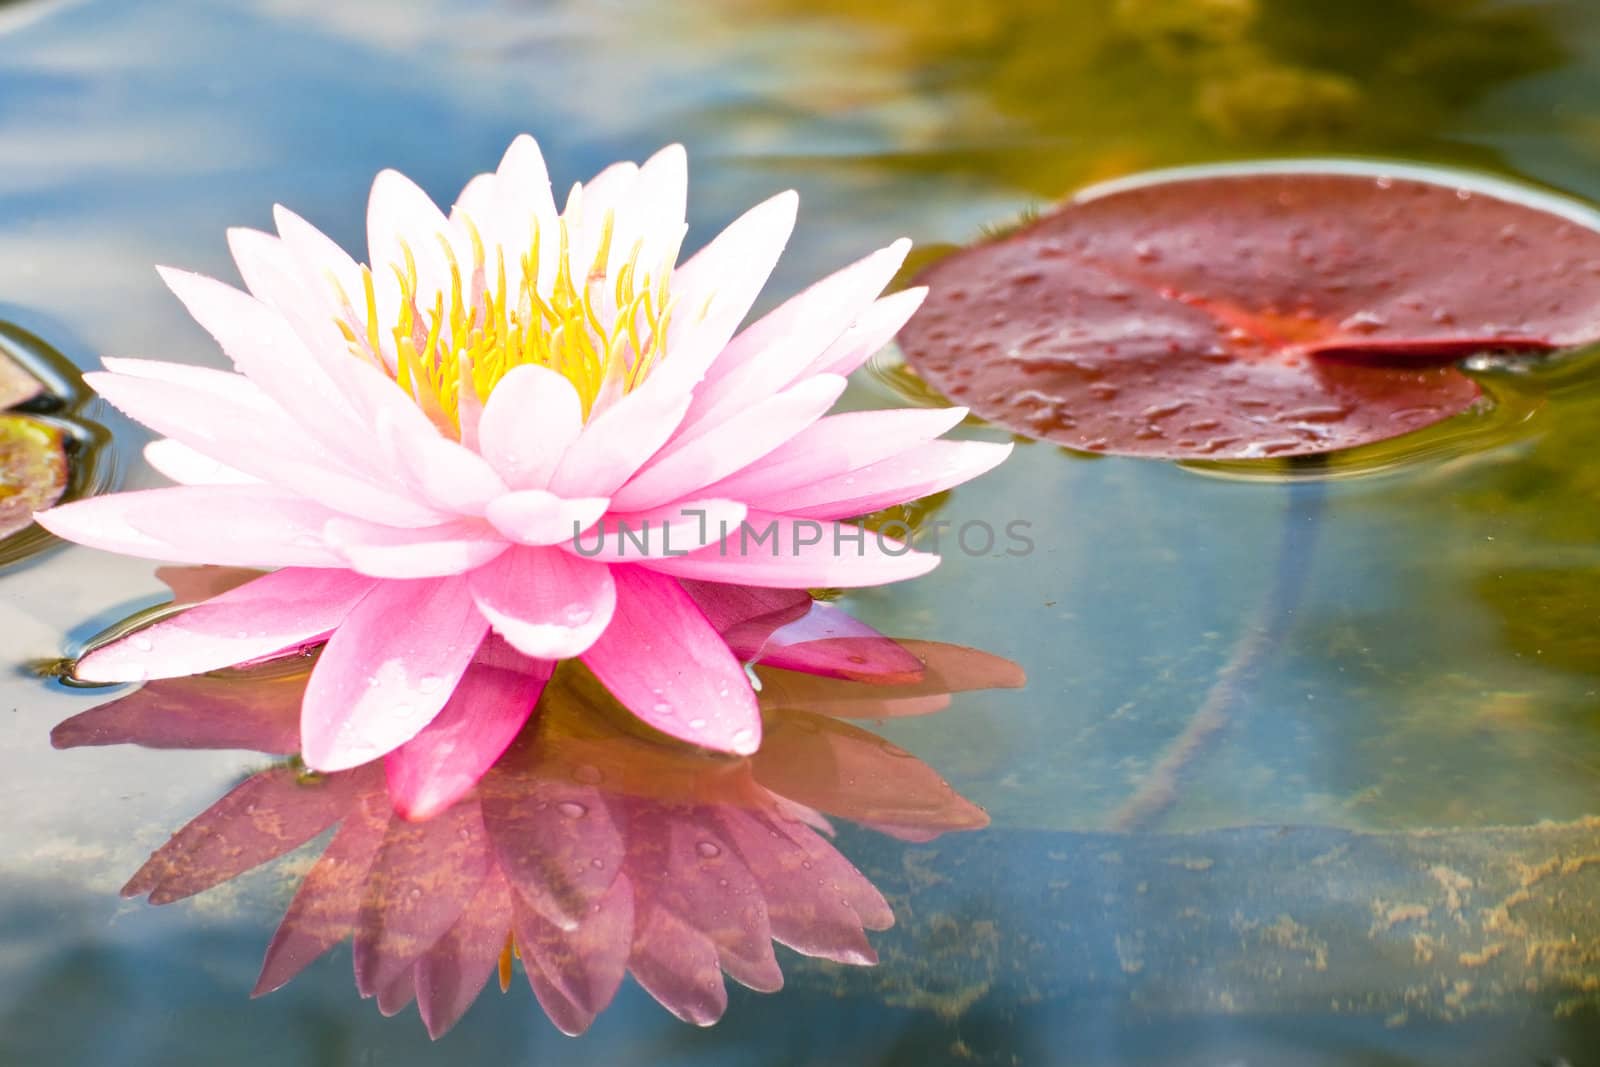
column 588, row 850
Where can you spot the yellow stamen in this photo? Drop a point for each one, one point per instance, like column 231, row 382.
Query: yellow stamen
column 603, row 334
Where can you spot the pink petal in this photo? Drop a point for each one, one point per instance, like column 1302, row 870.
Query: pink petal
column 544, row 602
column 926, row 469
column 870, row 333
column 841, row 876
column 576, row 974
column 529, row 421
column 272, row 274
column 441, row 764
column 778, row 348
column 653, row 215
column 401, row 216
column 830, row 642
column 324, row 909
column 522, row 205
column 187, row 466
column 800, row 554
column 677, row 965
column 396, row 552
column 450, row 477
column 199, row 712
column 475, row 202
column 317, row 258
column 266, row 816
column 256, row 439
column 848, row 772
column 272, row 613
column 812, row 919
column 946, row 669
column 331, row 395
column 616, row 442
column 452, row 973
column 388, row 670
column 717, row 286
column 535, row 517
column 666, row 663
column 682, row 864
column 678, row 470
column 588, row 207
column 395, row 997
column 234, row 388
column 423, row 878
column 673, row 530
column 227, row 525
column 553, row 836
column 746, row 616
column 838, row 445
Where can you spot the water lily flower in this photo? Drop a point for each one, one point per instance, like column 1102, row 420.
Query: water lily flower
column 589, row 852
column 466, row 436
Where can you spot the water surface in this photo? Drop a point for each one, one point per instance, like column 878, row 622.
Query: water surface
column 1438, row 668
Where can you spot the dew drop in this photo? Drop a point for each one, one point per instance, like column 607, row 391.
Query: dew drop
column 1364, row 322
column 697, row 724
column 572, row 809
column 708, row 849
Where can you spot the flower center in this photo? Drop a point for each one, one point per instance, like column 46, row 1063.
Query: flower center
column 603, row 334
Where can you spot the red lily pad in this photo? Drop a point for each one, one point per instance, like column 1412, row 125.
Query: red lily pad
column 33, row 470
column 17, row 386
column 1240, row 315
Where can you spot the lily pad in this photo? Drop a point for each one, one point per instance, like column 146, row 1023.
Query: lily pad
column 33, row 470
column 48, row 450
column 1235, row 315
column 17, row 386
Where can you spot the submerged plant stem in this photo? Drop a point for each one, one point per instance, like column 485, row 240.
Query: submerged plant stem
column 1159, row 790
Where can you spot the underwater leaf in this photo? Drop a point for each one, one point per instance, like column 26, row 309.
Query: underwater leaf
column 33, row 469
column 1240, row 315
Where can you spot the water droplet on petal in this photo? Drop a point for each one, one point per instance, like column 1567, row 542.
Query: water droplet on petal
column 572, row 809
column 708, row 849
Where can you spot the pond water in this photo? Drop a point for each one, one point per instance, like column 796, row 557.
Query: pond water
column 1407, row 653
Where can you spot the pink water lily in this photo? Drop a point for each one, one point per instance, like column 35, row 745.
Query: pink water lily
column 454, row 442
